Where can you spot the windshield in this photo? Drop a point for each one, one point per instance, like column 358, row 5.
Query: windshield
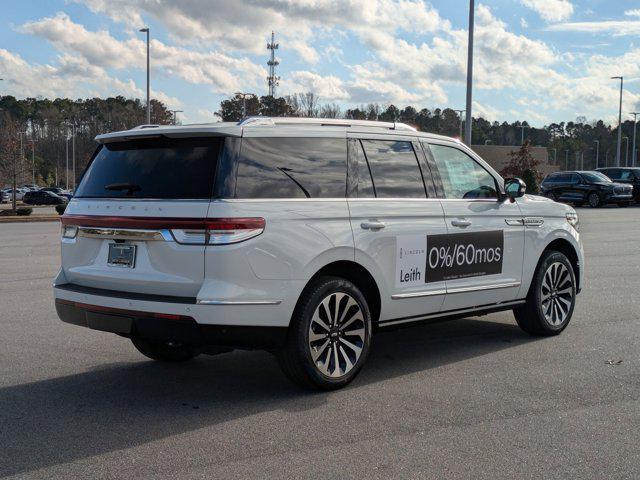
column 595, row 177
column 158, row 168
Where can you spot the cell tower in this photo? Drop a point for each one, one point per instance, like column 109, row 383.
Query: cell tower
column 272, row 79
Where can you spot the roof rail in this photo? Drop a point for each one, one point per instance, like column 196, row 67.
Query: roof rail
column 335, row 122
column 142, row 127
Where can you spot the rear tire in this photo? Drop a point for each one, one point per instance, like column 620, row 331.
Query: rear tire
column 329, row 337
column 551, row 298
column 164, row 351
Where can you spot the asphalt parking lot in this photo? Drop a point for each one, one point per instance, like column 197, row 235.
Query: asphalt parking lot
column 472, row 398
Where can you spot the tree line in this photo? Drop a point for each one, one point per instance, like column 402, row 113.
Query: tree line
column 51, row 124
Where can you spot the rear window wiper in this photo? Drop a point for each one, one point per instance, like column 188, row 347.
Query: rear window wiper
column 129, row 187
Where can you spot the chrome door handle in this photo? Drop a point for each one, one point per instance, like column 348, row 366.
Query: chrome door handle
column 372, row 225
column 461, row 223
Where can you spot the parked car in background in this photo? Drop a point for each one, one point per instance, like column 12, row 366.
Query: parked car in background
column 626, row 175
column 43, row 198
column 4, row 197
column 580, row 187
column 19, row 193
column 56, row 190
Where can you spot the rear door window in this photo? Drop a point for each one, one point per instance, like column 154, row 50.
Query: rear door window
column 394, row 169
column 278, row 167
column 153, row 168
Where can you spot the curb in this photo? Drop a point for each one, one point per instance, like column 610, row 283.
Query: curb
column 29, row 218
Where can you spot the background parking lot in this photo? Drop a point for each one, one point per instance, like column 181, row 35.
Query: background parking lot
column 468, row 398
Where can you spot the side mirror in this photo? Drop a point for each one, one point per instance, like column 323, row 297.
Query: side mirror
column 515, row 188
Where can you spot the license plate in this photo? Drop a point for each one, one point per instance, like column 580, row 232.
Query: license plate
column 122, row 255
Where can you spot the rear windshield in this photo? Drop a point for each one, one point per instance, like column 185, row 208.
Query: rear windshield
column 163, row 168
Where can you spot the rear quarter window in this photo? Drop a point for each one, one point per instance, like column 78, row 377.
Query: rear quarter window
column 281, row 167
column 158, row 168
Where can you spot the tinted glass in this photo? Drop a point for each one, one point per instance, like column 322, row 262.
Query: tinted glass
column 625, row 175
column 292, row 168
column 551, row 179
column 564, row 178
column 462, row 176
column 595, row 177
column 365, row 184
column 152, row 168
column 394, row 168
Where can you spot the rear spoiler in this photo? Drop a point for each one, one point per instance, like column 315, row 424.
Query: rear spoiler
column 155, row 131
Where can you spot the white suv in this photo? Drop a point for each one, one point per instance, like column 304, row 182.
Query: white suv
column 304, row 237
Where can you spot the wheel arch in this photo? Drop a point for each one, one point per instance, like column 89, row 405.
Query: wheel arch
column 565, row 247
column 356, row 274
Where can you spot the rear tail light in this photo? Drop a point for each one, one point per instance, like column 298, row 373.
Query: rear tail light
column 187, row 231
column 221, row 231
column 69, row 231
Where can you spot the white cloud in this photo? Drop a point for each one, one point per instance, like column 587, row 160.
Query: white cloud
column 616, row 28
column 550, row 10
column 632, row 13
column 100, row 48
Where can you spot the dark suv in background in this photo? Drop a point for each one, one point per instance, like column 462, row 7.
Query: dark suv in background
column 626, row 175
column 580, row 187
column 42, row 197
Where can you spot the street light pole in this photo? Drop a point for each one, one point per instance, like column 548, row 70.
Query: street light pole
column 566, row 160
column 33, row 162
column 175, row 115
column 634, row 155
column 146, row 30
column 468, row 116
column 619, row 122
column 460, row 112
column 522, row 127
column 597, row 142
column 626, row 159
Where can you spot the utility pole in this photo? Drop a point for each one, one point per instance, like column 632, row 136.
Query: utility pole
column 619, row 122
column 555, row 156
column 244, row 101
column 145, row 30
column 634, row 155
column 469, row 116
column 566, row 160
column 626, row 159
column 460, row 112
column 272, row 80
column 597, row 142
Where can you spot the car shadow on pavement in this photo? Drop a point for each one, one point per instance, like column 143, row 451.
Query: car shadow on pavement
column 120, row 406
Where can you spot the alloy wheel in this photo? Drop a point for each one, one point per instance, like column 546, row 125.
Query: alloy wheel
column 556, row 294
column 337, row 334
column 594, row 200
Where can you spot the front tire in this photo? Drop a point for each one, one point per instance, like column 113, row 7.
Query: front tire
column 594, row 200
column 329, row 336
column 551, row 298
column 164, row 351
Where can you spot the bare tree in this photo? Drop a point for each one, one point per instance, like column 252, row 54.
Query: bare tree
column 308, row 104
column 330, row 110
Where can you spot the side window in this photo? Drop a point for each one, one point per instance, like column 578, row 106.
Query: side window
column 362, row 175
column 625, row 175
column 394, row 168
column 563, row 178
column 279, row 167
column 551, row 179
column 462, row 176
column 575, row 179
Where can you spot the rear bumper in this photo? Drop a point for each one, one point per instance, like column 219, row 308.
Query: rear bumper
column 182, row 329
column 175, row 319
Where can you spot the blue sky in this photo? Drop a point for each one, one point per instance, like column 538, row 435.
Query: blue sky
column 536, row 60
